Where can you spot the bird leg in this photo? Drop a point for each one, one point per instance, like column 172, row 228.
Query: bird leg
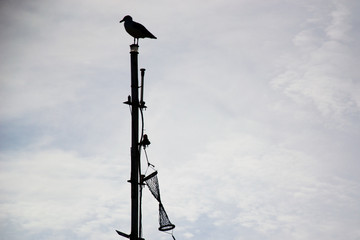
column 136, row 41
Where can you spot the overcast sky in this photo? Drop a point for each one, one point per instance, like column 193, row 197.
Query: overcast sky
column 253, row 117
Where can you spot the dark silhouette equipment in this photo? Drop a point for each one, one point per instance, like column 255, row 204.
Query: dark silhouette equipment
column 136, row 30
column 145, row 142
column 153, row 185
column 137, row 179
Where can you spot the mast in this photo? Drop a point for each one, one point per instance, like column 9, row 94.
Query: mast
column 135, row 172
column 135, row 153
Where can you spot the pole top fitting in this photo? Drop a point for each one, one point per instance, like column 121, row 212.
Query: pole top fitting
column 134, row 48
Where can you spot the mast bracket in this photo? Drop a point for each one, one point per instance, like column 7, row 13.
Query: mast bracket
column 123, row 234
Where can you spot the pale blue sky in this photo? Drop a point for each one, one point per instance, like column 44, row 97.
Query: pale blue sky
column 253, row 114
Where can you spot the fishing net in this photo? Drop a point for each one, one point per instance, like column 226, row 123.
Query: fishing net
column 164, row 221
column 153, row 185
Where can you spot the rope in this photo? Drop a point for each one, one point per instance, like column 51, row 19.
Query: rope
column 171, row 233
column 149, row 165
column 140, row 212
column 142, row 126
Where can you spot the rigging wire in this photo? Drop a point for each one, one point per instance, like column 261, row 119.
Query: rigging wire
column 141, row 140
column 142, row 126
column 171, row 233
column 140, row 211
column 149, row 165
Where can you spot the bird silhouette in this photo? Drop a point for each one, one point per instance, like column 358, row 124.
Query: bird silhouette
column 136, row 30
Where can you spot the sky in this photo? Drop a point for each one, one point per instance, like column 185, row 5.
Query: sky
column 253, row 117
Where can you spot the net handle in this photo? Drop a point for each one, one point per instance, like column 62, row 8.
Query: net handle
column 150, row 176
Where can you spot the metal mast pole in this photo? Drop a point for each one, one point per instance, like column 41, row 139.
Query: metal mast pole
column 135, row 154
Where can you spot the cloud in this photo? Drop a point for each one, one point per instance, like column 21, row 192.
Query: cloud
column 52, row 190
column 320, row 71
column 252, row 114
column 53, row 56
column 275, row 191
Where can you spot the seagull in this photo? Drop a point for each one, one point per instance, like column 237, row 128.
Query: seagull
column 136, row 29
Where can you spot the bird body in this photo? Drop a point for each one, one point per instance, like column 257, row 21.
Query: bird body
column 136, row 30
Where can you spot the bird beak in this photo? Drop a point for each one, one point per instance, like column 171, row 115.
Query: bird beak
column 122, row 20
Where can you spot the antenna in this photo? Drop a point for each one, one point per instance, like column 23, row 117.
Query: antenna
column 142, row 103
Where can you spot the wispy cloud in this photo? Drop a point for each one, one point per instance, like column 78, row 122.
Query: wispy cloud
column 252, row 113
column 321, row 70
column 59, row 191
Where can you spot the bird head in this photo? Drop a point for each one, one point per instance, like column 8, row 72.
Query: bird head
column 126, row 18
